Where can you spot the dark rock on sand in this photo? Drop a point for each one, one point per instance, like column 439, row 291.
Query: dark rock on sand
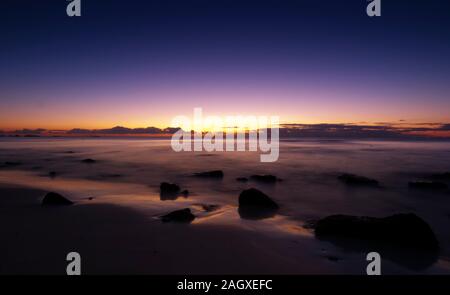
column 183, row 215
column 171, row 192
column 265, row 178
column 169, row 188
column 356, row 180
column 254, row 204
column 52, row 174
column 427, row 185
column 406, row 230
column 242, row 179
column 441, row 176
column 255, row 198
column 210, row 174
column 404, row 239
column 55, row 199
column 12, row 164
column 89, row 161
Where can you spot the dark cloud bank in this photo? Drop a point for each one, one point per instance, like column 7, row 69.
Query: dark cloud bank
column 338, row 131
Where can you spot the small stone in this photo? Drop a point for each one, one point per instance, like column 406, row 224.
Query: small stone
column 55, row 199
column 183, row 215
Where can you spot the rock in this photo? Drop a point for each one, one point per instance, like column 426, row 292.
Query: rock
column 255, row 198
column 183, row 215
column 89, row 161
column 171, row 192
column 90, row 198
column 265, row 178
column 441, row 176
column 12, row 164
column 211, row 174
column 52, row 174
column 55, row 199
column 356, row 180
column 427, row 185
column 254, row 204
column 405, row 230
column 242, row 179
column 404, row 239
column 169, row 188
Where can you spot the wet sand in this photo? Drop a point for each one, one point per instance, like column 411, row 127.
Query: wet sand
column 117, row 240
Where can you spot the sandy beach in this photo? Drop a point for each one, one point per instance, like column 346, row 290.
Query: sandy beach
column 114, row 239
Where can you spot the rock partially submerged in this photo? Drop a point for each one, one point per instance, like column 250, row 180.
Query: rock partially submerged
column 404, row 239
column 265, row 178
column 89, row 161
column 183, row 216
column 427, row 185
column 242, row 179
column 169, row 188
column 357, row 180
column 254, row 204
column 12, row 164
column 55, row 199
column 171, row 192
column 255, row 198
column 404, row 230
column 210, row 174
column 441, row 176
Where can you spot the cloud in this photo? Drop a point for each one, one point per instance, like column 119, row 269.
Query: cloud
column 339, row 131
column 380, row 130
column 118, row 130
column 444, row 127
column 30, row 131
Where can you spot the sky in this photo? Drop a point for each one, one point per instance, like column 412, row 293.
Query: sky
column 139, row 63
